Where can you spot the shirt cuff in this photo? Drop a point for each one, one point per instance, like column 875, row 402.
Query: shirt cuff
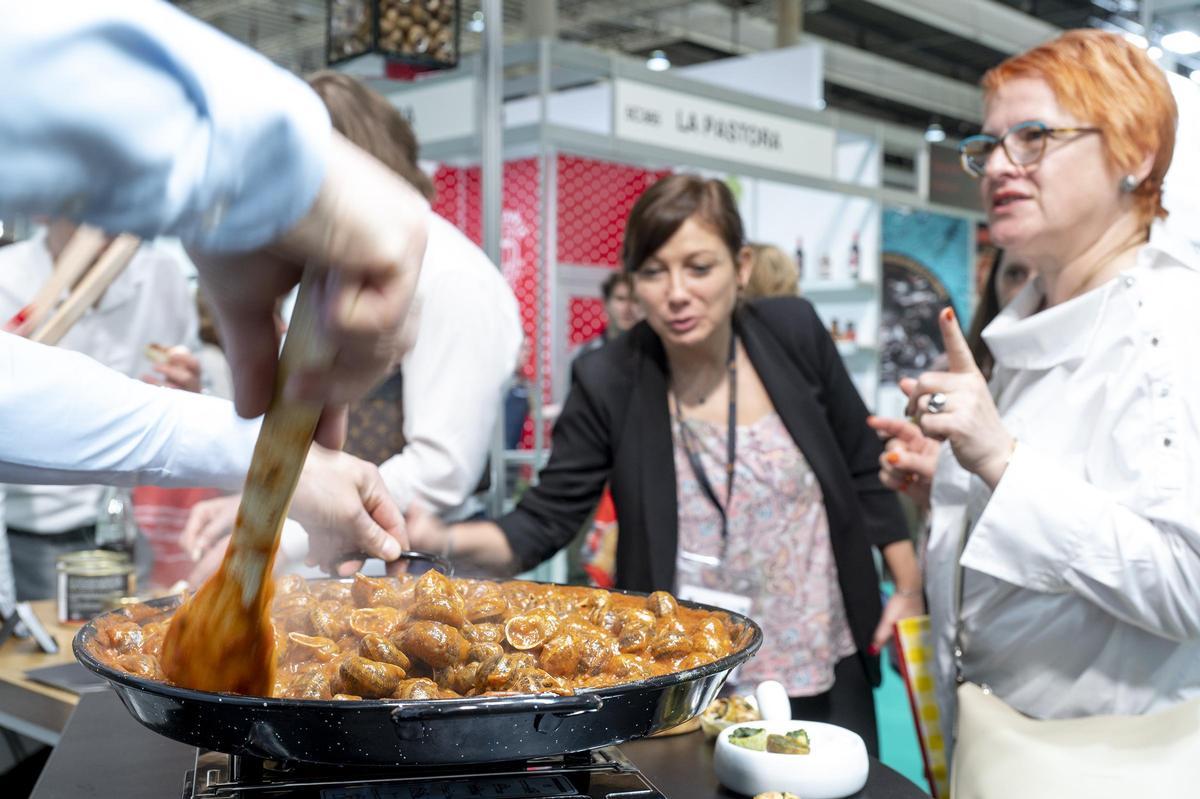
column 1031, row 530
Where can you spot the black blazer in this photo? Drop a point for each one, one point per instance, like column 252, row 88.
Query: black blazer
column 615, row 427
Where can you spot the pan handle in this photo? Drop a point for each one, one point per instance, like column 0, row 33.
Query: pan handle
column 436, row 561
column 441, row 564
column 558, row 706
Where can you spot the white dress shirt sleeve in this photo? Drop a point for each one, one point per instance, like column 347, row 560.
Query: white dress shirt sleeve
column 1053, row 533
column 466, row 348
column 66, row 419
column 136, row 117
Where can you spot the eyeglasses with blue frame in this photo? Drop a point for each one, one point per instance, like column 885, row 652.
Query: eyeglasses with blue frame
column 1024, row 144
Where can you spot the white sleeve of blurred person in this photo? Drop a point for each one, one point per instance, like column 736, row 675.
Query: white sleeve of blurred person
column 113, row 443
column 467, row 341
column 176, row 136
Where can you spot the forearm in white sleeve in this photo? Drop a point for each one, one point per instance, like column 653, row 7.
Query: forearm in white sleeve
column 136, row 117
column 66, row 419
column 1055, row 533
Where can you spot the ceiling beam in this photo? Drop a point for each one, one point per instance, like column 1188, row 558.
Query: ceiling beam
column 710, row 25
column 997, row 26
column 866, row 72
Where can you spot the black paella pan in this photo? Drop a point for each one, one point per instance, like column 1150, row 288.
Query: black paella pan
column 420, row 732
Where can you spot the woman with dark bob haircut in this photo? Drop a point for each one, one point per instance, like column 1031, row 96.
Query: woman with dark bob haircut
column 742, row 468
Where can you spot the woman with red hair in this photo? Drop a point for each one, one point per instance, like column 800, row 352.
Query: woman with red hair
column 1072, row 500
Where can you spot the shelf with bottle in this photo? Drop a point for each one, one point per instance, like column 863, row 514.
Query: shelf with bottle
column 852, row 349
column 849, row 289
column 846, row 339
column 830, row 283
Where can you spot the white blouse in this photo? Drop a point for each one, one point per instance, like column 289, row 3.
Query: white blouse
column 1082, row 569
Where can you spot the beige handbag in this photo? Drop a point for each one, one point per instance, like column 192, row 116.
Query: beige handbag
column 1000, row 753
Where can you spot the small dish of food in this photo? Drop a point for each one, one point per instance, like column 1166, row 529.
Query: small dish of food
column 726, row 711
column 808, row 758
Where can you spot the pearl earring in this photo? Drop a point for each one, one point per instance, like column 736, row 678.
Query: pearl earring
column 1128, row 184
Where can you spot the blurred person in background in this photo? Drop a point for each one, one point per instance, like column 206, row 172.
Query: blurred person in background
column 1006, row 278
column 430, row 425
column 741, row 465
column 774, row 273
column 621, row 311
column 1076, row 478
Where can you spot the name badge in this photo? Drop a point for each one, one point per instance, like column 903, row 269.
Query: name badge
column 720, row 599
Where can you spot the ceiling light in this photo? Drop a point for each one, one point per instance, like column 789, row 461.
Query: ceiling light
column 1137, row 40
column 1155, row 53
column 1182, row 42
column 476, row 23
column 658, row 61
column 934, row 133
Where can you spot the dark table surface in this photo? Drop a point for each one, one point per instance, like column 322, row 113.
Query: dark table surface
column 105, row 753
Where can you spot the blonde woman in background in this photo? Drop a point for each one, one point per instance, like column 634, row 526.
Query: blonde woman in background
column 773, row 274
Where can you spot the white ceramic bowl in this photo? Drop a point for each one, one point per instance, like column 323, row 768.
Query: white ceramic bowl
column 836, row 767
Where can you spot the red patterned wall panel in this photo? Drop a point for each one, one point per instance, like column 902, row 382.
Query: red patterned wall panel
column 585, row 320
column 594, row 199
column 459, row 199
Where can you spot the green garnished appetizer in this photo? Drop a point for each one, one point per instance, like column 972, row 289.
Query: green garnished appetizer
column 753, row 738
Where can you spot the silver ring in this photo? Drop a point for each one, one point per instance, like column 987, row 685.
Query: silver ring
column 937, row 403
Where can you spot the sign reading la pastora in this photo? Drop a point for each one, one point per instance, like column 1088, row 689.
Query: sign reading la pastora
column 686, row 122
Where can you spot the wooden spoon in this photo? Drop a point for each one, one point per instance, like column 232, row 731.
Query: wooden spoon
column 222, row 639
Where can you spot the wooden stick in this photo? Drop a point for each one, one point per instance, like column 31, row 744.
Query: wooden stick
column 222, row 639
column 282, row 446
column 91, row 286
column 78, row 254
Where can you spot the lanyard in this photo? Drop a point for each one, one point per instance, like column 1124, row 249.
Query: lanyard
column 686, row 434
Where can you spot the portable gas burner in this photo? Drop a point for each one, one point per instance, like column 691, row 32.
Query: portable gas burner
column 599, row 774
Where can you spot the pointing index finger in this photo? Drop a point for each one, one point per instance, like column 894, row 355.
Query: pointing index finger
column 957, row 351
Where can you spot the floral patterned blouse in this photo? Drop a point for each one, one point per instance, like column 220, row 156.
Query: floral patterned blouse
column 778, row 555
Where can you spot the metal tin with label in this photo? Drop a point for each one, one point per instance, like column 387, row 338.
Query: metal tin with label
column 90, row 581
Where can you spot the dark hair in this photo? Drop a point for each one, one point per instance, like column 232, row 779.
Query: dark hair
column 670, row 202
column 612, row 281
column 370, row 122
column 987, row 310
